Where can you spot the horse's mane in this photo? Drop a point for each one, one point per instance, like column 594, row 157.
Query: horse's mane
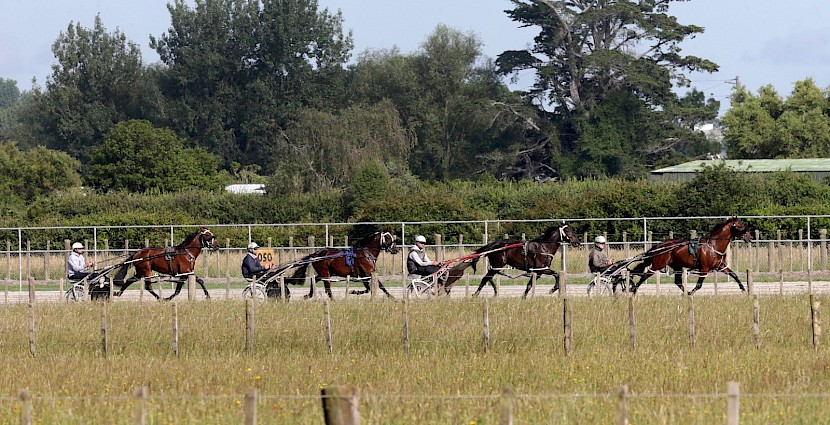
column 548, row 235
column 187, row 239
column 364, row 241
column 719, row 226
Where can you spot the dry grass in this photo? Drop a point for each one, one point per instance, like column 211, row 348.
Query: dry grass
column 74, row 383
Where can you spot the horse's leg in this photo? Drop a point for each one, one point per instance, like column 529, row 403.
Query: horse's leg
column 179, row 285
column 311, row 290
column 148, row 285
column 733, row 275
column 488, row 276
column 201, row 283
column 699, row 283
column 644, row 271
column 126, row 284
column 678, row 279
column 382, row 288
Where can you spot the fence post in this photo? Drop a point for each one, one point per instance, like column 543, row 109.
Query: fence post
column 32, row 340
column 405, row 321
column 191, row 287
column 733, row 390
column 175, row 308
column 533, row 285
column 283, row 296
column 692, row 335
column 140, row 412
column 227, row 268
column 32, row 293
column 625, row 244
column 563, row 284
column 810, row 281
column 749, row 283
column 327, row 316
column 486, row 326
column 439, row 248
column 506, row 416
column 26, row 407
column 781, row 282
column 249, row 326
column 104, row 331
column 250, row 406
column 340, row 405
column 566, row 315
column 46, row 261
column 349, row 281
column 632, row 330
column 822, row 234
column 815, row 310
column 622, row 413
column 756, row 321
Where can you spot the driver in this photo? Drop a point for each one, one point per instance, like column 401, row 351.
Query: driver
column 418, row 262
column 598, row 260
column 76, row 264
column 252, row 268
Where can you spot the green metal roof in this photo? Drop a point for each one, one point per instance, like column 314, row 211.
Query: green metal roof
column 753, row 165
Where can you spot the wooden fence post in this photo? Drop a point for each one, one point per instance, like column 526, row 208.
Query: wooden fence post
column 822, row 234
column 568, row 332
column 250, row 406
column 26, row 407
column 781, row 282
column 32, row 293
column 815, row 310
column 533, row 278
column 140, row 412
column 340, row 405
column 405, row 321
column 632, row 330
column 563, row 284
column 249, row 326
column 622, row 413
column 175, row 308
column 756, row 320
column 506, row 415
column 327, row 316
column 104, row 331
column 191, row 287
column 733, row 402
column 283, row 297
column 46, row 261
column 810, row 281
column 692, row 335
column 227, row 268
column 486, row 326
column 749, row 283
column 32, row 340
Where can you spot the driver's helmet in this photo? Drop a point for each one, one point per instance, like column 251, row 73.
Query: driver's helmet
column 77, row 245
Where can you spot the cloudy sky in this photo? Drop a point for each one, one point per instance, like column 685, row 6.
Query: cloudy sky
column 759, row 41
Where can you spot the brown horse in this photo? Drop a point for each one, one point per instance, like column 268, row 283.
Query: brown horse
column 532, row 256
column 357, row 262
column 177, row 262
column 705, row 254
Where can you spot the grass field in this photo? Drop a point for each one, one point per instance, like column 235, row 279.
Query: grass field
column 444, row 377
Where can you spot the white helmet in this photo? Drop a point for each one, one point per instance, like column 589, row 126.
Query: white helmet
column 77, row 245
column 252, row 245
column 421, row 239
column 599, row 239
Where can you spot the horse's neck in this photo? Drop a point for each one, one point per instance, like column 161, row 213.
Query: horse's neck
column 551, row 245
column 720, row 239
column 369, row 248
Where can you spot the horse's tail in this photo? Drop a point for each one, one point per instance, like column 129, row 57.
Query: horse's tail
column 485, row 248
column 121, row 274
column 298, row 277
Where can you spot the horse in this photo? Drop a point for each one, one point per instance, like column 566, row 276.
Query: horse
column 357, row 262
column 705, row 254
column 175, row 261
column 532, row 256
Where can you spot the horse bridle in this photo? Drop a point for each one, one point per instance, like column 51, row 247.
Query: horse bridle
column 383, row 245
column 206, row 240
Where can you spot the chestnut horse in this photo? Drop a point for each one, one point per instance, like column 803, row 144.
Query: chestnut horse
column 357, row 262
column 705, row 254
column 176, row 262
column 532, row 256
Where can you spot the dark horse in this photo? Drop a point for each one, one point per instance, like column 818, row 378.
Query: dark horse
column 357, row 262
column 532, row 256
column 707, row 253
column 176, row 262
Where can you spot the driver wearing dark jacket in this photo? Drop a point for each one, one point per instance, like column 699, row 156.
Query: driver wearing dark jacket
column 252, row 268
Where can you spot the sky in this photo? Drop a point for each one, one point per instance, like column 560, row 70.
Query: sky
column 759, row 42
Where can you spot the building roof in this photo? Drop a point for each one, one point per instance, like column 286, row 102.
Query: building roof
column 754, row 165
column 246, row 188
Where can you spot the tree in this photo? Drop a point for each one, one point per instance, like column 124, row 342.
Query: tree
column 97, row 81
column 9, row 96
column 37, row 172
column 767, row 126
column 590, row 52
column 466, row 120
column 137, row 157
column 239, row 72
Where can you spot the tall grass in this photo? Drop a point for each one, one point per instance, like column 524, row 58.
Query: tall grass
column 445, row 377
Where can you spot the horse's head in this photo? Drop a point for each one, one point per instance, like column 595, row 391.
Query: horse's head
column 738, row 230
column 387, row 242
column 566, row 234
column 207, row 239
